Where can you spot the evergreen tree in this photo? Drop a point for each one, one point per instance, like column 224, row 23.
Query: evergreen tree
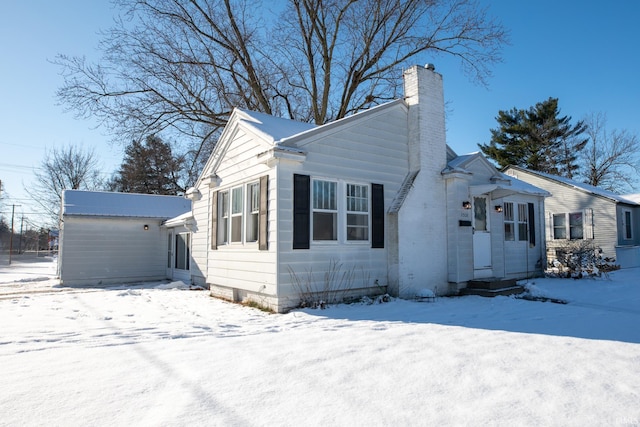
column 537, row 139
column 149, row 168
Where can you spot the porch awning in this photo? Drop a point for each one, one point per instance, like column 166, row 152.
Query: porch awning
column 503, row 190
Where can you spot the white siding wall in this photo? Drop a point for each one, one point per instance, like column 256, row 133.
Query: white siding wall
column 97, row 251
column 564, row 199
column 237, row 271
column 372, row 151
column 460, row 240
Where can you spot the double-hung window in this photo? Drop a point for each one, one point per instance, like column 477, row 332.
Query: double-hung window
column 240, row 215
column 357, row 212
column 325, row 210
column 253, row 211
column 223, row 217
column 575, row 226
column 568, row 226
column 236, row 214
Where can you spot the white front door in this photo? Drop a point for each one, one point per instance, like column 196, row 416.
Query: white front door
column 481, row 238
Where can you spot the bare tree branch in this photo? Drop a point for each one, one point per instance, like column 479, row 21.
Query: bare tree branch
column 181, row 66
column 611, row 158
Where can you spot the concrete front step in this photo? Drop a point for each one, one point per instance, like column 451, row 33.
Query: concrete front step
column 491, row 283
column 512, row 290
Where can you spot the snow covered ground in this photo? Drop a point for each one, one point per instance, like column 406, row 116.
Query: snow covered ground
column 140, row 355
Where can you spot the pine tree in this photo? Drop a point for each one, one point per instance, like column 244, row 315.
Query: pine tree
column 149, row 168
column 537, row 139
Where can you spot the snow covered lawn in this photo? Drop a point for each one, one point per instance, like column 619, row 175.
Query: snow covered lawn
column 139, row 355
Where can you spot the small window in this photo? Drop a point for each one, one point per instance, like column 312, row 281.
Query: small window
column 523, row 222
column 509, row 228
column 357, row 212
column 627, row 224
column 575, row 226
column 559, row 226
column 325, row 210
column 236, row 215
column 253, row 211
column 480, row 214
column 223, row 217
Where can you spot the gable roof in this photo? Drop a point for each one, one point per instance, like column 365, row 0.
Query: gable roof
column 133, row 205
column 580, row 186
column 282, row 134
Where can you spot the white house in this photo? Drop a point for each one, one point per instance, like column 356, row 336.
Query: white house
column 579, row 212
column 375, row 201
column 120, row 237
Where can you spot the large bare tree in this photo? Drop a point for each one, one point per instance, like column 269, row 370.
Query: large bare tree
column 183, row 65
column 66, row 168
column 611, row 159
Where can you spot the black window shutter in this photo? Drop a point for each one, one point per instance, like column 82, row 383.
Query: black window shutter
column 532, row 225
column 263, row 231
column 377, row 216
column 301, row 208
column 214, row 221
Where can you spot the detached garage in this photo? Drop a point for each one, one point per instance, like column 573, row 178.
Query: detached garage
column 108, row 238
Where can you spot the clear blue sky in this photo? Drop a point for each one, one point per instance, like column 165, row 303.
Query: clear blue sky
column 586, row 53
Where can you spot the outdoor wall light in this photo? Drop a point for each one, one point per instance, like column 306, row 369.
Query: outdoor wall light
column 146, row 227
column 498, row 208
column 466, row 205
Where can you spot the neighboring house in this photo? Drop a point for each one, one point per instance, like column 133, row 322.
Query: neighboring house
column 580, row 212
column 108, row 238
column 375, row 201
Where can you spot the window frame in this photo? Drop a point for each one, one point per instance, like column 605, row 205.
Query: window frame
column 627, row 224
column 361, row 213
column 325, row 210
column 569, row 225
column 223, row 221
column 252, row 223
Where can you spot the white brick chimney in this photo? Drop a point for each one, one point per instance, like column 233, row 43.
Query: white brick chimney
column 424, row 94
column 422, row 221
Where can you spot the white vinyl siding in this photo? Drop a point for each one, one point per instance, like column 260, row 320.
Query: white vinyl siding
column 112, row 250
column 352, row 154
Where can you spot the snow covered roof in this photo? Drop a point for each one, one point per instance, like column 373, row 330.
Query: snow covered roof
column 579, row 186
column 501, row 185
column 633, row 197
column 102, row 203
column 506, row 185
column 275, row 128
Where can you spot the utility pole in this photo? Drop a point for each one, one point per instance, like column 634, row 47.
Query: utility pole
column 13, row 210
column 20, row 241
